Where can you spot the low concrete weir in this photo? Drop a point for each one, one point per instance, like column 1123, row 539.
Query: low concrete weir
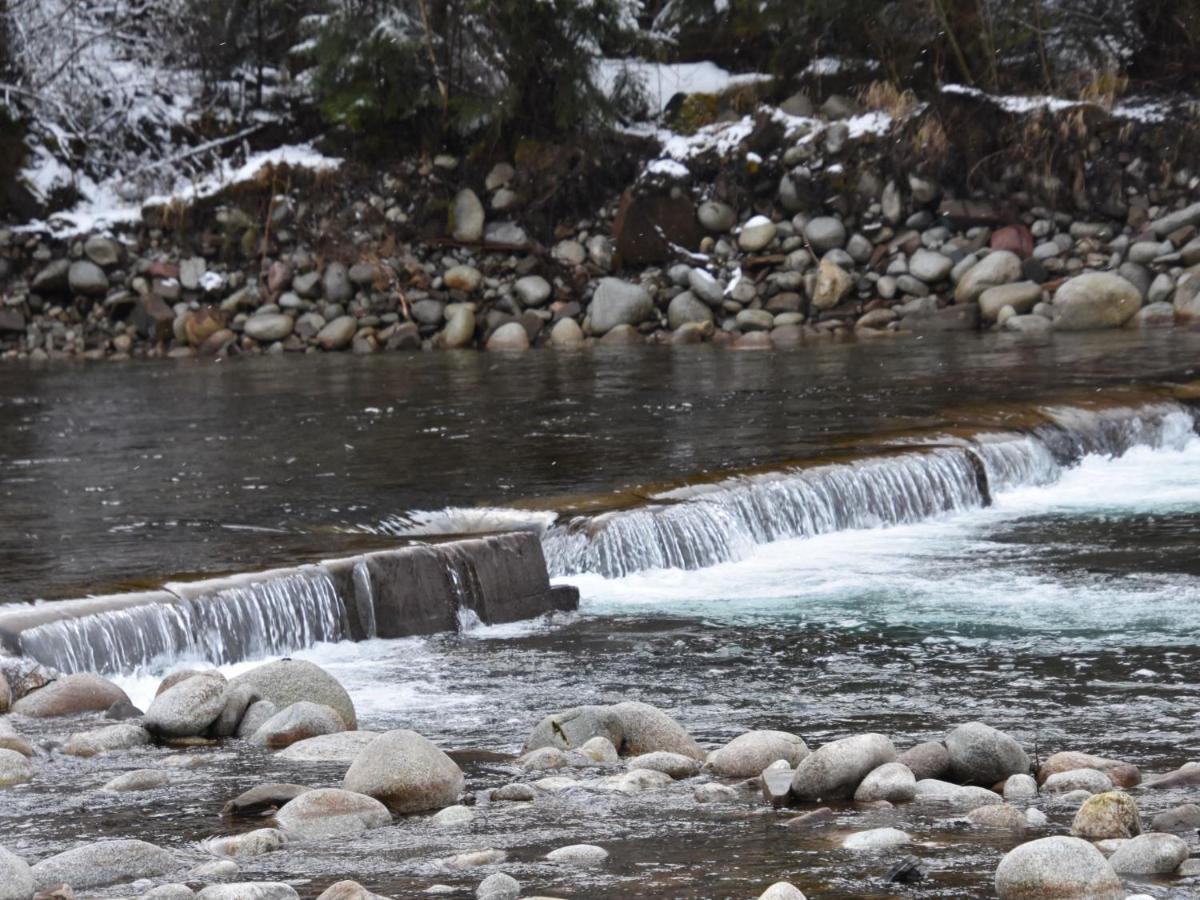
column 414, row 590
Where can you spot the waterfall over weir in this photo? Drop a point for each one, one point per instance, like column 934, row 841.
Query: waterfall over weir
column 698, row 526
column 243, row 621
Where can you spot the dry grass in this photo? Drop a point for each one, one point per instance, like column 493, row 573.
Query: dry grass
column 883, row 96
column 1104, row 89
column 929, row 143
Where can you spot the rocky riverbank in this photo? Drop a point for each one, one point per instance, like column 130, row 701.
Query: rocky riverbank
column 1074, row 824
column 791, row 225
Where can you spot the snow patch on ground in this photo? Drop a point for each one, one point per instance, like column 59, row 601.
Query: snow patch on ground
column 104, row 206
column 1150, row 112
column 662, row 81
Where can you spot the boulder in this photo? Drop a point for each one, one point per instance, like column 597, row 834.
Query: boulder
column 14, row 768
column 616, row 303
column 930, row 266
column 1020, row 787
column 598, row 749
column 1089, row 780
column 675, row 765
column 510, row 337
column 833, row 283
column 87, row 278
column 289, row 681
column 825, row 233
column 532, row 290
column 545, row 758
column 453, row 816
column 10, row 739
column 16, row 881
column 215, row 870
column 635, row 781
column 1183, row 818
column 578, row 855
column 297, row 722
column 645, row 729
column 748, row 754
column 6, row 697
column 1001, row 815
column 348, row 890
column 1095, row 300
column 876, row 839
column 1022, row 296
column 835, row 770
column 257, row 713
column 757, row 234
column 1113, row 814
column 980, row 754
column 70, row 695
column 684, row 308
column 249, row 890
column 893, row 782
column 406, row 772
column 467, row 217
column 247, row 843
column 1149, row 854
column 1122, row 774
column 138, row 780
column 238, row 699
column 188, row 708
column 927, row 760
column 262, row 799
column 998, row 267
column 343, row 746
column 497, row 886
column 169, row 892
column 566, row 333
column 961, row 796
column 106, row 740
column 268, row 327
column 1062, row 868
column 327, row 812
column 103, row 863
column 782, row 890
column 1186, row 776
column 338, row 334
column 515, row 792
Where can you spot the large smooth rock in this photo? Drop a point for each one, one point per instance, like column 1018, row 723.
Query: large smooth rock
column 107, row 739
column 255, row 716
column 1002, row 815
column 298, row 722
column 406, row 772
column 338, row 334
column 833, row 283
column 748, row 754
column 835, row 770
column 961, row 796
column 249, row 890
column 674, row 764
column 616, row 303
column 980, row 754
column 498, row 886
column 893, row 782
column 1182, row 818
column 327, row 812
column 70, row 695
column 511, row 337
column 289, row 681
column 460, row 329
column 1057, row 868
column 188, row 708
column 103, row 863
column 169, row 892
column 348, row 890
column 10, row 739
column 1022, row 296
column 262, row 798
column 1122, row 774
column 1089, row 780
column 825, row 233
column 16, row 881
column 578, row 855
column 876, row 839
column 645, row 729
column 14, row 768
column 1113, row 814
column 782, row 890
column 268, row 327
column 1149, row 854
column 927, row 760
column 930, row 266
column 1095, row 300
column 343, row 746
column 467, row 217
column 247, row 843
column 998, row 267
column 87, row 278
column 238, row 699
column 138, row 780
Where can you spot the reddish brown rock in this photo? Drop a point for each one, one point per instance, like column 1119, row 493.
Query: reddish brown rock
column 1121, row 774
column 1015, row 238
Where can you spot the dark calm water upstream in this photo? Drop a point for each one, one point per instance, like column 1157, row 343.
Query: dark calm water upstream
column 1066, row 612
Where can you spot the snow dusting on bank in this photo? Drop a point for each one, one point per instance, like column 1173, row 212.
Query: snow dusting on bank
column 662, row 81
column 1141, row 111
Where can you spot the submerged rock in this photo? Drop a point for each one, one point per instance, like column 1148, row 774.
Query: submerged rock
column 998, row 816
column 876, row 839
column 1064, row 868
column 106, row 740
column 247, row 843
column 263, row 798
column 104, row 863
column 578, row 855
column 633, row 728
column 326, row 812
column 138, row 780
column 1122, row 774
column 249, row 890
column 1149, row 854
column 406, row 772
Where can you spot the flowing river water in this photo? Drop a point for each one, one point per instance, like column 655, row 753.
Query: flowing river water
column 895, row 537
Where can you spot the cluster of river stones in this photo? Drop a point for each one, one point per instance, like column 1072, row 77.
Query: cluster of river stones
column 295, row 709
column 906, row 258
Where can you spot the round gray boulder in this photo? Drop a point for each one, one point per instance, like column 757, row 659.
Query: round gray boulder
column 825, row 233
column 343, row 746
column 748, row 754
column 16, row 881
column 573, row 727
column 1062, row 868
column 1095, row 300
column 998, row 267
column 926, row 760
column 249, row 890
column 893, row 782
column 1149, row 854
column 674, row 764
column 106, row 740
column 326, row 812
column 103, row 863
column 69, row 695
column 14, row 767
column 406, row 772
column 616, row 303
column 980, row 754
column 268, row 327
column 188, row 708
column 646, row 729
column 297, row 722
column 289, row 681
column 1113, row 814
column 835, row 771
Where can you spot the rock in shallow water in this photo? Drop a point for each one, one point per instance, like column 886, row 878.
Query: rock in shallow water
column 104, row 863
column 249, row 890
column 289, row 681
column 263, row 798
column 835, row 770
column 578, row 855
column 343, row 746
column 498, row 886
column 927, row 760
column 876, row 839
column 348, row 890
column 69, row 695
column 247, row 843
column 1089, row 780
column 16, row 881
column 327, row 812
column 187, row 708
column 675, row 765
column 106, row 740
column 782, row 890
column 297, row 722
column 406, row 772
column 1063, row 868
column 14, row 767
column 138, row 780
column 893, row 782
column 748, row 754
column 1149, row 854
column 1113, row 814
column 982, row 755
